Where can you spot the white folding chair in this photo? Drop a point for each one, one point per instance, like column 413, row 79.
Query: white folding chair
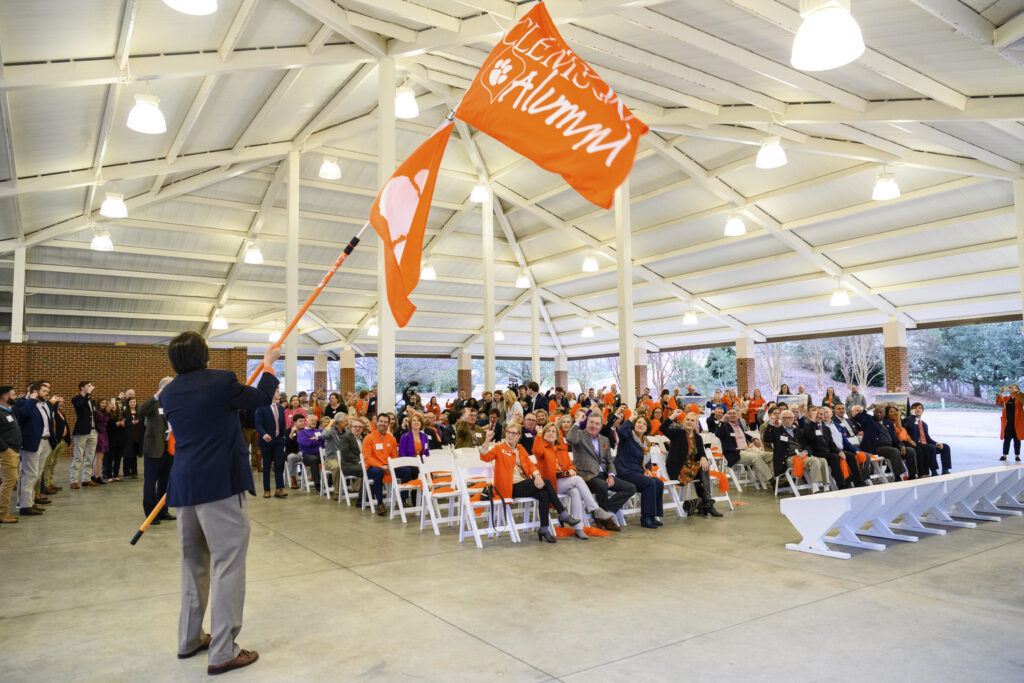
column 440, row 487
column 671, row 485
column 793, row 484
column 305, row 476
column 344, row 483
column 366, row 501
column 468, row 525
column 326, row 488
column 397, row 488
column 713, row 466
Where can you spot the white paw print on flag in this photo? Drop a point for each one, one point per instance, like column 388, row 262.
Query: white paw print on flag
column 499, row 74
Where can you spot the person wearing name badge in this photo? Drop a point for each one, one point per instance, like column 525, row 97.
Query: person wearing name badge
column 847, row 451
column 629, row 465
column 311, row 440
column 737, row 449
column 786, row 442
column 687, row 461
column 817, row 440
column 378, row 447
column 555, row 465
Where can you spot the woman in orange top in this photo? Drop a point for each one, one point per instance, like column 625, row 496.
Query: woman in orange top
column 362, row 404
column 515, row 476
column 755, row 405
column 657, row 415
column 433, row 407
column 1011, row 424
column 555, row 465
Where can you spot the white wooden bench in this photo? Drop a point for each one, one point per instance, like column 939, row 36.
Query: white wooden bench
column 977, row 495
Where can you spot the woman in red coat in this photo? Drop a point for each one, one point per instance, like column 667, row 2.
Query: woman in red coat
column 1011, row 425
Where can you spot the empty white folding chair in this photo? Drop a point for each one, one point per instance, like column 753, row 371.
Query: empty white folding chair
column 490, row 510
column 672, row 486
column 343, row 484
column 440, row 490
column 713, row 466
column 326, row 488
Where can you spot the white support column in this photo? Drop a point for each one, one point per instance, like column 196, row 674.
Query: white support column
column 487, row 252
column 291, row 344
column 18, row 302
column 561, row 371
column 534, row 337
column 624, row 258
column 1018, row 200
column 385, row 167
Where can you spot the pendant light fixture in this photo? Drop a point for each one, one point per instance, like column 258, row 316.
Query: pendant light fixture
column 275, row 334
column 829, row 36
column 479, row 194
column 498, row 334
column 405, row 103
column 198, row 8
column 690, row 318
column 219, row 322
column 588, row 331
column 840, row 297
column 253, row 255
column 427, row 271
column 523, row 281
column 371, row 329
column 113, row 206
column 146, row 117
column 590, row 263
column 101, row 241
column 771, row 154
column 734, row 227
column 886, row 187
column 329, row 169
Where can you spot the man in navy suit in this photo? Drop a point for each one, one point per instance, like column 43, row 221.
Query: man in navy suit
column 272, row 432
column 38, row 437
column 207, row 487
column 918, row 431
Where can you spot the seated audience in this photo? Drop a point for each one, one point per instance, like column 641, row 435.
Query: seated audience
column 467, row 433
column 554, row 464
column 629, row 465
column 592, row 459
column 686, row 460
column 919, row 432
column 343, row 443
column 875, row 439
column 378, row 447
column 736, row 449
column 786, row 442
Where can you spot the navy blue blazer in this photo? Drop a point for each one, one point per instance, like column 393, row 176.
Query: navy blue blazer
column 871, row 429
column 211, row 460
column 265, row 422
column 914, row 427
column 629, row 456
column 30, row 421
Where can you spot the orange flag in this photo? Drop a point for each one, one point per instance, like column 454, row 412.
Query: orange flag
column 535, row 95
column 399, row 215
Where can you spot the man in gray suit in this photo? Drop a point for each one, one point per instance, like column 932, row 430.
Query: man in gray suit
column 592, row 456
column 156, row 458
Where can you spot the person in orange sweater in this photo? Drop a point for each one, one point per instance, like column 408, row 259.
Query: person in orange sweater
column 555, row 465
column 378, row 447
column 515, row 476
column 1011, row 424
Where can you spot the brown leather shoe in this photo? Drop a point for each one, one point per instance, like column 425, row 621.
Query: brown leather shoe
column 50, row 490
column 610, row 525
column 89, row 482
column 43, row 501
column 56, row 488
column 244, row 658
column 204, row 644
column 8, row 519
column 75, row 486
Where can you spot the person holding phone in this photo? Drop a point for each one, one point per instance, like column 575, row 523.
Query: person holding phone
column 1011, row 423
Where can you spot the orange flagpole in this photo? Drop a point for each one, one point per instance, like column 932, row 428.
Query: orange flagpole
column 284, row 335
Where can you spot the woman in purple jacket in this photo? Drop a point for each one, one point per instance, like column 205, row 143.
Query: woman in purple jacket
column 311, row 440
column 414, row 444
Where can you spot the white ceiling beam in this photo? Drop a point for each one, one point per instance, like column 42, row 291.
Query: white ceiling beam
column 959, row 145
column 343, row 94
column 723, row 49
column 113, row 272
column 147, row 251
column 238, row 24
column 191, row 117
column 418, row 13
column 1009, row 33
column 790, row 20
column 947, row 280
column 319, row 39
column 931, row 256
column 279, row 93
column 119, row 294
column 117, row 333
column 72, row 73
column 969, row 23
column 915, row 229
column 11, row 184
column 340, row 19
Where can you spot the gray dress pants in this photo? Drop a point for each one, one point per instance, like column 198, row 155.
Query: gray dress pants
column 214, row 540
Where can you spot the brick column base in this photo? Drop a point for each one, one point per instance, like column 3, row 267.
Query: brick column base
column 746, row 381
column 320, row 382
column 640, row 377
column 897, row 369
column 562, row 379
column 347, row 381
column 466, row 381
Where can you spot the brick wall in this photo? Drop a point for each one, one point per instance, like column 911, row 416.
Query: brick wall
column 347, row 381
column 640, row 377
column 320, row 382
column 466, row 381
column 111, row 368
column 897, row 369
column 746, row 381
column 562, row 379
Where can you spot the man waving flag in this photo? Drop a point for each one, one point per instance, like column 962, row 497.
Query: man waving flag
column 400, row 218
column 535, row 95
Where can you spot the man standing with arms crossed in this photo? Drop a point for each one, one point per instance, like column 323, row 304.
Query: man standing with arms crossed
column 207, row 488
column 85, row 436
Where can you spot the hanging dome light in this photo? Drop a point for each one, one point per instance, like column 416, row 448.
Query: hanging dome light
column 329, row 170
column 274, row 336
column 146, row 117
column 829, row 36
column 253, row 255
column 498, row 334
column 198, row 8
column 371, row 329
column 219, row 322
column 101, row 241
column 590, row 263
column 771, row 154
column 885, row 187
column 113, row 206
column 588, row 331
column 427, row 271
column 734, row 227
column 479, row 193
column 690, row 318
column 405, row 103
column 523, row 281
column 839, row 296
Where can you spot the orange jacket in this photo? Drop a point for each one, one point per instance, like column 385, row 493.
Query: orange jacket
column 655, row 427
column 609, row 398
column 551, row 458
column 752, row 408
column 1018, row 415
column 378, row 457
column 505, row 463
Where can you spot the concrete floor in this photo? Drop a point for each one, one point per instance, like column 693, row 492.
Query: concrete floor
column 335, row 593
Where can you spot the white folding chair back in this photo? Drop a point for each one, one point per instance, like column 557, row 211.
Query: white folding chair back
column 468, row 457
column 343, row 483
column 713, row 466
column 365, row 495
column 326, row 488
column 468, row 525
column 440, row 487
column 671, row 485
column 398, row 488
